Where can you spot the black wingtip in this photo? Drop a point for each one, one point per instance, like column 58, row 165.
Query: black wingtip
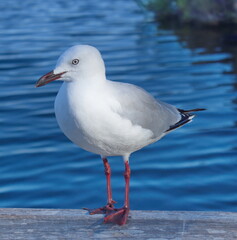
column 192, row 110
column 186, row 116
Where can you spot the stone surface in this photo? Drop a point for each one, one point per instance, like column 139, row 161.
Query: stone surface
column 65, row 224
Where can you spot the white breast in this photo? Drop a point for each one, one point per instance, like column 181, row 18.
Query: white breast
column 89, row 118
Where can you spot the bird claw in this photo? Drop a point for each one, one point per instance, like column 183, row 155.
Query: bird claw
column 112, row 215
column 118, row 216
column 107, row 209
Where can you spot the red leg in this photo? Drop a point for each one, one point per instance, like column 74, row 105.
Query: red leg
column 120, row 216
column 110, row 202
column 127, row 174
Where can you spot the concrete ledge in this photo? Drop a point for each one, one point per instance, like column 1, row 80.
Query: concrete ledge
column 65, row 224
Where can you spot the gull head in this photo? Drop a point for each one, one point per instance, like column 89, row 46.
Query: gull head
column 78, row 63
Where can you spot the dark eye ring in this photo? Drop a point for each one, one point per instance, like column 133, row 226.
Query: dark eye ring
column 75, row 61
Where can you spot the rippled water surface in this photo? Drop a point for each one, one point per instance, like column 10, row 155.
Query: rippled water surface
column 193, row 168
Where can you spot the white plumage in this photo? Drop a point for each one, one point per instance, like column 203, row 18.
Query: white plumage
column 108, row 118
column 105, row 117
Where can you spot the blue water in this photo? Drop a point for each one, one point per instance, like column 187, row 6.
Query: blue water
column 193, row 168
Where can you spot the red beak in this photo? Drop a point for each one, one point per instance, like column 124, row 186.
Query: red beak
column 47, row 78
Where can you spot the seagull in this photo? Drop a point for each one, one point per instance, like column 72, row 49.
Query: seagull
column 108, row 118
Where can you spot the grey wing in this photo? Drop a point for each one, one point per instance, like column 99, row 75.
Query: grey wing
column 142, row 109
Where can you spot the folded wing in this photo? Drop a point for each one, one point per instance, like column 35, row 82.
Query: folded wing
column 142, row 109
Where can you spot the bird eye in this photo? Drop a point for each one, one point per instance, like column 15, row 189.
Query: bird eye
column 75, row 61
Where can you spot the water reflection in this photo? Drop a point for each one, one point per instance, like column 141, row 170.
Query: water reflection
column 214, row 46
